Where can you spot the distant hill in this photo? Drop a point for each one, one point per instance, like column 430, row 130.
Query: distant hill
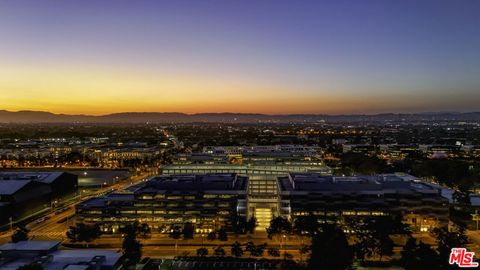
column 175, row 117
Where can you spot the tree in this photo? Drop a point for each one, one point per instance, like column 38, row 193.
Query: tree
column 31, row 266
column 446, row 240
column 303, row 250
column 250, row 248
column 427, row 257
column 202, row 252
column 175, row 233
column 239, row 224
column 144, row 230
column 188, row 231
column 362, row 164
column 420, row 256
column 254, row 250
column 219, row 251
column 132, row 248
column 212, row 236
column 259, row 250
column 408, row 259
column 330, row 250
column 222, row 234
column 452, row 173
column 462, row 197
column 385, row 246
column 279, row 226
column 21, row 234
column 251, row 225
column 373, row 236
column 237, row 250
column 306, row 225
column 84, row 233
column 273, row 251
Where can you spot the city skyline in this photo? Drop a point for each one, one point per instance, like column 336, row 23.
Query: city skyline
column 251, row 57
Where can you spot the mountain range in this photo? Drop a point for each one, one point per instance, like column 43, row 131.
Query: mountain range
column 175, row 117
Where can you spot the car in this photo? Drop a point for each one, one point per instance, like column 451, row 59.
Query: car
column 40, row 220
column 61, row 210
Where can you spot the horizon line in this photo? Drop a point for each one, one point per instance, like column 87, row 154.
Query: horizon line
column 239, row 113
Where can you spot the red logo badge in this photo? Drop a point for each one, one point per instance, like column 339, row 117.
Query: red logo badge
column 462, row 258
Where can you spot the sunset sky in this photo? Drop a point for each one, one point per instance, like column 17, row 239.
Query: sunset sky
column 99, row 57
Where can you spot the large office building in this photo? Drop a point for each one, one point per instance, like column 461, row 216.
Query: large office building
column 262, row 185
column 341, row 198
column 24, row 193
column 208, row 201
column 262, row 164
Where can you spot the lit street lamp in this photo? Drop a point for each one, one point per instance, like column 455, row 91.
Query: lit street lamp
column 52, row 204
column 476, row 217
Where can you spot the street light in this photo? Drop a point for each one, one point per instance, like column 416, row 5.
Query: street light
column 52, row 204
column 476, row 217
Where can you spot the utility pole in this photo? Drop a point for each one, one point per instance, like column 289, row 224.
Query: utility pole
column 476, row 217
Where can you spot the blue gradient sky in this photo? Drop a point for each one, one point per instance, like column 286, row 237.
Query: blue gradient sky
column 243, row 56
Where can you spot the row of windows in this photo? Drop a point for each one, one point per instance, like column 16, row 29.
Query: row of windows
column 186, row 197
column 180, row 204
column 149, row 212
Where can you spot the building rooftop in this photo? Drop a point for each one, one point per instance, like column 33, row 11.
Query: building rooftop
column 384, row 183
column 44, row 177
column 14, row 255
column 30, row 246
column 194, row 182
column 85, row 255
column 102, row 201
column 9, row 187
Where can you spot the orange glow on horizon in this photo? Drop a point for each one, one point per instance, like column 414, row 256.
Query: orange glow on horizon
column 98, row 92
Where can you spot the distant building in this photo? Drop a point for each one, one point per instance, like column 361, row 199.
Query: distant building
column 342, row 198
column 359, row 148
column 265, row 154
column 207, row 201
column 200, row 158
column 58, row 151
